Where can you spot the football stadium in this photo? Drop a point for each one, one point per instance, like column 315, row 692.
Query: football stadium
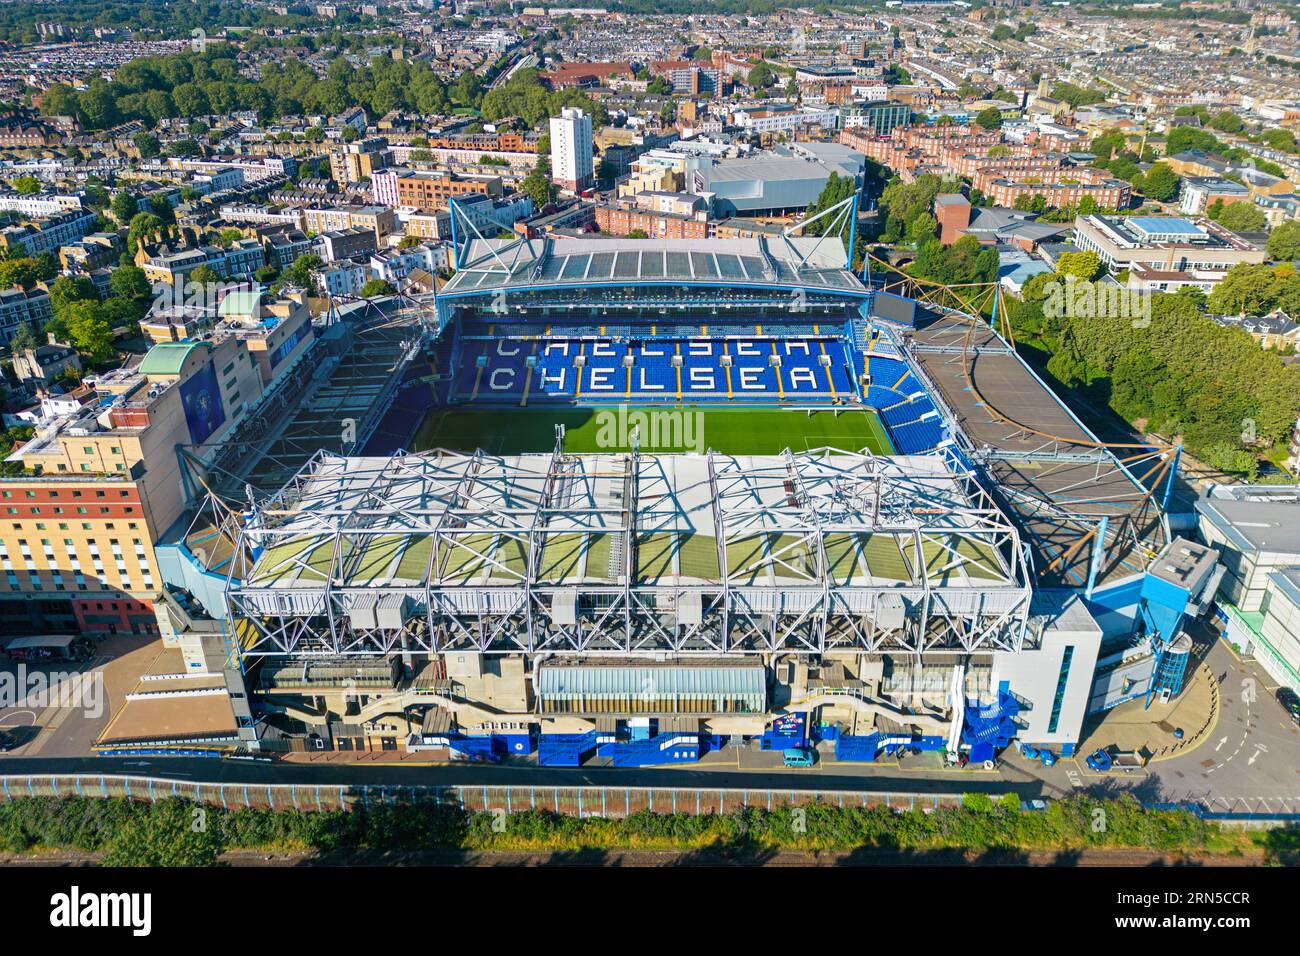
column 631, row 501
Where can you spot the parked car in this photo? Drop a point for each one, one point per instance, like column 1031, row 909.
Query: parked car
column 800, row 757
column 1099, row 760
column 1290, row 702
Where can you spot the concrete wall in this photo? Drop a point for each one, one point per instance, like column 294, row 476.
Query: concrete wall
column 1034, row 675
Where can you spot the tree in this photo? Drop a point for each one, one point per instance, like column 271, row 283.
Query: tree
column 22, row 273
column 1284, row 242
column 1081, row 265
column 1248, row 289
column 129, row 282
column 147, row 143
column 837, row 189
column 23, row 338
column 965, row 261
column 922, row 229
column 1242, row 217
column 205, row 275
column 89, row 329
column 299, row 273
column 124, row 206
column 1160, row 183
column 990, row 118
column 143, row 224
column 27, row 185
column 68, row 291
column 1227, row 122
column 760, row 76
column 538, row 187
column 376, row 287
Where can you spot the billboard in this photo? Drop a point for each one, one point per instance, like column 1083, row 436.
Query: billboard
column 895, row 308
column 202, row 402
column 290, row 343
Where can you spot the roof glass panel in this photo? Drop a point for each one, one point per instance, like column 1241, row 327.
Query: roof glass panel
column 626, row 265
column 704, row 266
column 574, row 266
column 729, row 266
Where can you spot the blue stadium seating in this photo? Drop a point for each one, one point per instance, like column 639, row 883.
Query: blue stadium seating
column 909, row 415
column 600, row 369
column 517, row 363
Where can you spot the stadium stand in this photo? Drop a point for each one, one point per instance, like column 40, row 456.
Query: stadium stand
column 516, row 364
column 606, row 369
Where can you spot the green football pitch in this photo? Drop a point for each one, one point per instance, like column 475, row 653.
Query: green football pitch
column 729, row 431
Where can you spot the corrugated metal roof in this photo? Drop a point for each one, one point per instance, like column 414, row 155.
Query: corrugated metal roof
column 659, row 680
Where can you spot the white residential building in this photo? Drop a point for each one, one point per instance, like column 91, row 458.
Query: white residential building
column 571, row 150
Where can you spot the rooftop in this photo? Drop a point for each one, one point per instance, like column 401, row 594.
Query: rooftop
column 782, row 261
column 167, row 358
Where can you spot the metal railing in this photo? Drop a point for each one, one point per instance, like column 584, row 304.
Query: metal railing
column 611, row 802
column 581, row 801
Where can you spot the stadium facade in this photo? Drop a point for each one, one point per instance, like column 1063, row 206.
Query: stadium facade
column 641, row 608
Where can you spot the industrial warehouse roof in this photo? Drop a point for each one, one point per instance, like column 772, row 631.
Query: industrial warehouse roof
column 490, row 265
column 659, row 680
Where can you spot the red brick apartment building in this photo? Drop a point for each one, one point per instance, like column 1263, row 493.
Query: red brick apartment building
column 907, row 149
column 619, row 221
column 1003, row 182
column 566, row 75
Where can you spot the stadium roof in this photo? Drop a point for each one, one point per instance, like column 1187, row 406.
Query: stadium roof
column 1057, row 479
column 489, row 265
column 585, row 680
column 443, row 535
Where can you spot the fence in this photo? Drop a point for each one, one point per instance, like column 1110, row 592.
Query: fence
column 610, row 802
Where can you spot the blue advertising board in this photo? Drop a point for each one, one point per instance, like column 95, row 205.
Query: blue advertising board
column 201, row 399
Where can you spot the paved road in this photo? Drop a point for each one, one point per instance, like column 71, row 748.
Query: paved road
column 1250, row 762
column 378, row 774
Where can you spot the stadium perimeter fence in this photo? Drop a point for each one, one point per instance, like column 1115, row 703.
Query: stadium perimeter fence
column 584, row 801
column 611, row 802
